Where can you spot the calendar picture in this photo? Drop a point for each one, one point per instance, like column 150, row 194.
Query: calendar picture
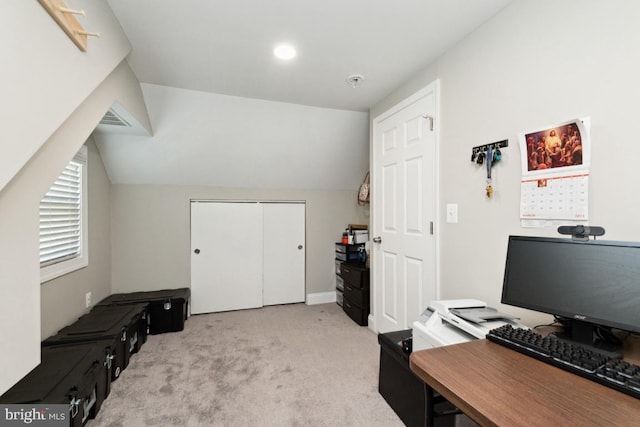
column 555, row 173
column 565, row 145
column 553, row 148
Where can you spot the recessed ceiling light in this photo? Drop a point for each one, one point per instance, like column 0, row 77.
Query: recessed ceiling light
column 284, row 51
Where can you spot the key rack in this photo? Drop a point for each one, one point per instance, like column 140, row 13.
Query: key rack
column 483, row 148
column 489, row 154
column 67, row 21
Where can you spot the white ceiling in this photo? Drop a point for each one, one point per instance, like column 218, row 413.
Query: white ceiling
column 225, row 47
column 225, row 112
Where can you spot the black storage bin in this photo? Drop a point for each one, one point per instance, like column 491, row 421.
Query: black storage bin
column 402, row 389
column 124, row 326
column 77, row 375
column 350, row 253
column 168, row 308
column 104, row 352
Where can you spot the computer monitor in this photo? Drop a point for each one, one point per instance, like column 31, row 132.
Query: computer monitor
column 593, row 284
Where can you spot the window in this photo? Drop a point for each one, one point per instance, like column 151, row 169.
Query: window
column 63, row 224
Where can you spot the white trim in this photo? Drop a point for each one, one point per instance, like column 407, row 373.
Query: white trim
column 372, row 322
column 246, row 201
column 321, row 298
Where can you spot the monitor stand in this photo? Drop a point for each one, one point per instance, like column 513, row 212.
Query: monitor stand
column 583, row 333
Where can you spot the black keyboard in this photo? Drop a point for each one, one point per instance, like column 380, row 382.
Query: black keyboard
column 603, row 367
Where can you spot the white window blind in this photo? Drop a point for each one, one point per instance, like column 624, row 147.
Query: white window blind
column 61, row 216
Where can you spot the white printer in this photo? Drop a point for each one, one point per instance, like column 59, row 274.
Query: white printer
column 447, row 322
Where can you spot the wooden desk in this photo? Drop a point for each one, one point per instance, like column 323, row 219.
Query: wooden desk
column 497, row 386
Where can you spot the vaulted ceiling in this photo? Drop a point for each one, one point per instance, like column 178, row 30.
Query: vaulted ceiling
column 227, row 112
column 225, row 47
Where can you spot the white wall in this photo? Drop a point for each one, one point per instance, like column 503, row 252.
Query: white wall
column 151, row 232
column 19, row 227
column 228, row 141
column 535, row 64
column 44, row 76
column 62, row 300
column 53, row 95
column 216, row 146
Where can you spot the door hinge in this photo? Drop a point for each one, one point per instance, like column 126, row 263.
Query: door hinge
column 430, row 118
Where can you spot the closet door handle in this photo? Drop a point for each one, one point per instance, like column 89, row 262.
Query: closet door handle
column 197, row 251
column 377, row 239
column 300, row 247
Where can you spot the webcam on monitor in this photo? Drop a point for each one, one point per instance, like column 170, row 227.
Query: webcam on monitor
column 581, row 232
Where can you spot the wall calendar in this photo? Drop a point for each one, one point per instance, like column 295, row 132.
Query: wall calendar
column 555, row 174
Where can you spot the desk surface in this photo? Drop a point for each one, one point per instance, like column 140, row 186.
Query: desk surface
column 497, row 386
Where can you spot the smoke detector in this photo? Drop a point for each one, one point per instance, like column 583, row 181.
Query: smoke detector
column 354, row 80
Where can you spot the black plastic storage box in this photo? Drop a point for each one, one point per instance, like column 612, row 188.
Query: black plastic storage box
column 77, row 375
column 403, row 390
column 168, row 308
column 104, row 349
column 124, row 326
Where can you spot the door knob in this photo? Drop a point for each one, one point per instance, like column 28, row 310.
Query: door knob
column 197, row 251
column 377, row 239
column 300, row 247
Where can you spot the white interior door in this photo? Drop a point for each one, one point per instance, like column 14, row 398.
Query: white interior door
column 226, row 256
column 404, row 211
column 284, row 253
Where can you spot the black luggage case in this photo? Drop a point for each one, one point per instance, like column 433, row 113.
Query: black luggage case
column 77, row 375
column 104, row 352
column 124, row 326
column 168, row 308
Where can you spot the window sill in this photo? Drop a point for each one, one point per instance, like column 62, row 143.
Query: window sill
column 60, row 269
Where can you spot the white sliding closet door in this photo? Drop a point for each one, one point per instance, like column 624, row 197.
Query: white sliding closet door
column 284, row 253
column 226, row 256
column 246, row 254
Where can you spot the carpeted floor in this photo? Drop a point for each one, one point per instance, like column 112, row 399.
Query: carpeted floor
column 291, row 365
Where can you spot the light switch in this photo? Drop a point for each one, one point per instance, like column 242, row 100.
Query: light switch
column 452, row 213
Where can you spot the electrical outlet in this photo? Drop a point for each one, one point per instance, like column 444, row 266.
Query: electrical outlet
column 87, row 297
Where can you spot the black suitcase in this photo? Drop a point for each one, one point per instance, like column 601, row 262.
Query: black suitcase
column 168, row 308
column 105, row 351
column 77, row 375
column 124, row 326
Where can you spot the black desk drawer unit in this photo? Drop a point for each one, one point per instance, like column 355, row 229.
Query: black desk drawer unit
column 357, row 296
column 355, row 275
column 357, row 314
column 354, row 281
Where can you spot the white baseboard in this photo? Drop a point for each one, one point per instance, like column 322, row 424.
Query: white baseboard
column 321, row 298
column 372, row 323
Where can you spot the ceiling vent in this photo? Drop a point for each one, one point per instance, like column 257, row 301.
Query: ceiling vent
column 111, row 118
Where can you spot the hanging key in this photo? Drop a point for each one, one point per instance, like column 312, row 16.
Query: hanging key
column 489, row 160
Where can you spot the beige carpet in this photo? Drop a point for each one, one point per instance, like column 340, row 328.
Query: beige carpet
column 291, row 365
